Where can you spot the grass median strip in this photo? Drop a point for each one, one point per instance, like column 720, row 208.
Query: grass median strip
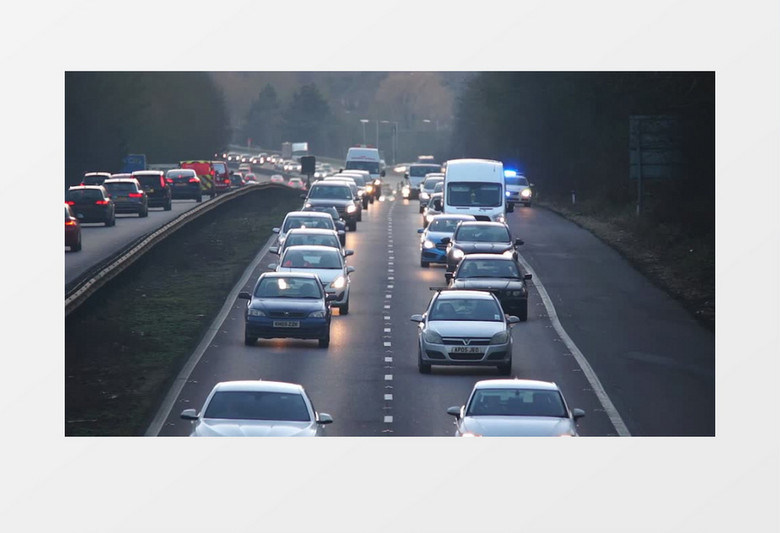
column 126, row 344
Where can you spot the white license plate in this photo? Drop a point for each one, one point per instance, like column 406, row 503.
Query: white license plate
column 287, row 323
column 465, row 349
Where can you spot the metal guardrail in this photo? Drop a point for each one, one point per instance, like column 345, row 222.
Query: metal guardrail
column 78, row 291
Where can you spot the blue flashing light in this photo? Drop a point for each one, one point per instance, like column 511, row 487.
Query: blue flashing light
column 509, row 173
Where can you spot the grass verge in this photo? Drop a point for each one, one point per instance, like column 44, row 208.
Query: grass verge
column 125, row 345
column 678, row 263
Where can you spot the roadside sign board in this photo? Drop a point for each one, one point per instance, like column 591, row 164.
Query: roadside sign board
column 655, row 147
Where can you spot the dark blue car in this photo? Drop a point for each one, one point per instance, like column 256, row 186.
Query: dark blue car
column 287, row 305
column 432, row 250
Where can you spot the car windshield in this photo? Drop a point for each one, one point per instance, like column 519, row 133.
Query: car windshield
column 330, row 192
column 307, row 222
column 474, row 194
column 257, row 405
column 371, row 166
column 278, row 287
column 482, row 234
column 516, row 402
column 317, row 240
column 444, row 224
column 328, row 259
column 516, row 181
column 439, row 187
column 471, row 309
column 419, row 171
column 430, row 183
column 484, row 268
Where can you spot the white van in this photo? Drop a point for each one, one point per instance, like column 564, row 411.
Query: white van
column 475, row 187
column 364, row 157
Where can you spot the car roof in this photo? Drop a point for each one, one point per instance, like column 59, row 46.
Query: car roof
column 314, row 248
column 488, row 257
column 147, row 172
column 274, row 274
column 121, row 175
column 515, row 384
column 96, row 187
column 312, row 231
column 96, row 174
column 465, row 294
column 120, row 180
column 258, row 386
column 314, row 214
column 332, row 183
column 466, row 218
column 484, row 223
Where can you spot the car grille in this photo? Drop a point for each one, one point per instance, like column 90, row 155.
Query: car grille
column 457, row 341
column 281, row 314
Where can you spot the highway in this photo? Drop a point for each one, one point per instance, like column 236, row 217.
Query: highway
column 619, row 348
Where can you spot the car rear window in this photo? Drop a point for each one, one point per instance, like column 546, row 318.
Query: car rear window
column 150, row 181
column 120, row 187
column 482, row 234
column 84, row 195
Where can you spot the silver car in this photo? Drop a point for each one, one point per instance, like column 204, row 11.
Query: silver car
column 327, row 263
column 257, row 409
column 462, row 327
column 515, row 408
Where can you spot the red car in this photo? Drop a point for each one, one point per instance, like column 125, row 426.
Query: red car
column 72, row 230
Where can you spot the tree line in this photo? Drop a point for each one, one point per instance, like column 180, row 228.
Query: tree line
column 569, row 131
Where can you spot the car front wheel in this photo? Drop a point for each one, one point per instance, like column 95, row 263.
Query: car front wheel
column 424, row 368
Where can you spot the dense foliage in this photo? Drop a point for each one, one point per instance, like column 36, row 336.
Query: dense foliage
column 169, row 116
column 569, row 131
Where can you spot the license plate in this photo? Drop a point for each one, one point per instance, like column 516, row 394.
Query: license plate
column 287, row 324
column 465, row 349
column 180, row 184
column 150, row 191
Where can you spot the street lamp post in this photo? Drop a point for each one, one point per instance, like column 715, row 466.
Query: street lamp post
column 394, row 137
column 364, row 121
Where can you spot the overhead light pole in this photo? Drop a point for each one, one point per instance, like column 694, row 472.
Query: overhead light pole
column 364, row 121
column 394, row 137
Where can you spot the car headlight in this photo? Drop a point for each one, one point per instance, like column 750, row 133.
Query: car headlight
column 508, row 193
column 431, row 336
column 499, row 218
column 369, row 188
column 457, row 253
column 526, row 193
column 339, row 282
column 308, row 204
column 502, row 337
column 428, row 244
column 255, row 312
column 509, row 254
column 317, row 314
column 429, row 218
column 351, row 209
column 424, row 196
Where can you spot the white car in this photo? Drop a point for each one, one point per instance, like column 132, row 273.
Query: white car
column 329, row 264
column 515, row 408
column 303, row 219
column 257, row 409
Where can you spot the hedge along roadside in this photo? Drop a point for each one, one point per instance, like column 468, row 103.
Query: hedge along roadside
column 126, row 257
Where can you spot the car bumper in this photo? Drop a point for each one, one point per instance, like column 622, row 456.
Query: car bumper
column 72, row 237
column 489, row 355
column 91, row 215
column 159, row 201
column 309, row 328
column 186, row 192
column 433, row 255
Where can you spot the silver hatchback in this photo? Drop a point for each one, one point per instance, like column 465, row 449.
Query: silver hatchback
column 464, row 328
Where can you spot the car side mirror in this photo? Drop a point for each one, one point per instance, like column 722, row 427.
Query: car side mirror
column 244, row 295
column 446, row 240
column 350, row 269
column 577, row 413
column 324, row 418
column 527, row 277
column 512, row 319
column 382, row 174
column 189, row 414
column 416, row 318
column 276, row 230
column 406, row 175
column 273, row 266
column 454, row 411
column 274, row 250
column 421, row 230
column 437, row 204
column 347, row 253
column 448, row 276
column 519, row 242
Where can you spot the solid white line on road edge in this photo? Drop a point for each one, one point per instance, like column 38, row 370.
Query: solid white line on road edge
column 192, row 362
column 593, row 379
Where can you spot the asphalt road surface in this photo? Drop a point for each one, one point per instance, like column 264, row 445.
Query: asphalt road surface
column 630, row 356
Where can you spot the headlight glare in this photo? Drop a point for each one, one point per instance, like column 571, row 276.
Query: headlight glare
column 508, row 254
column 351, row 209
column 338, row 283
column 457, row 253
column 526, row 193
column 428, row 244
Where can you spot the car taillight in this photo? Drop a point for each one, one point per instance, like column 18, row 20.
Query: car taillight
column 136, row 195
column 70, row 222
column 101, row 202
column 70, row 202
column 169, row 180
column 194, row 180
column 227, row 180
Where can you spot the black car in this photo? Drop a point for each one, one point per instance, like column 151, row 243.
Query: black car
column 185, row 184
column 95, row 178
column 479, row 237
column 128, row 196
column 158, row 190
column 335, row 194
column 91, row 203
column 341, row 226
column 497, row 274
